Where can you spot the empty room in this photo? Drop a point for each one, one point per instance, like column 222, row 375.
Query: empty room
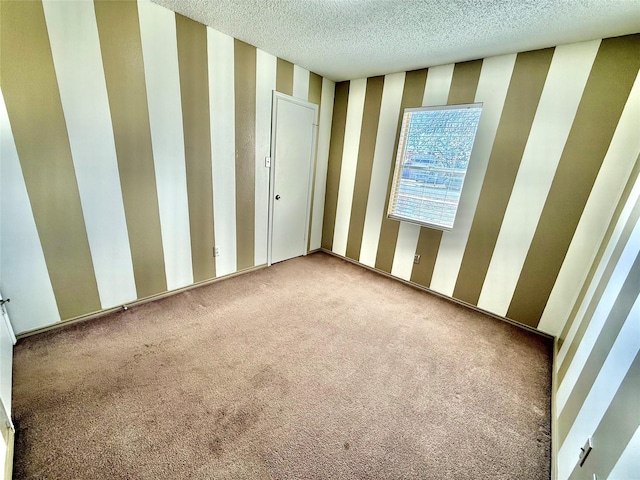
column 320, row 239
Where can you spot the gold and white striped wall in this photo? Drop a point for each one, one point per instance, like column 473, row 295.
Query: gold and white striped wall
column 597, row 367
column 133, row 141
column 557, row 141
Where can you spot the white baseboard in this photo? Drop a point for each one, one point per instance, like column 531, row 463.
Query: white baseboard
column 554, row 416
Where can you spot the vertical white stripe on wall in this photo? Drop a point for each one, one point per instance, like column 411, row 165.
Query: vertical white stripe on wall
column 162, row 77
column 436, row 90
column 73, row 34
column 352, row 129
column 322, row 161
column 628, row 465
column 406, row 244
column 557, row 108
column 597, row 322
column 300, row 83
column 606, row 191
column 382, row 160
column 25, row 278
column 223, row 150
column 602, row 392
column 435, row 93
column 266, row 66
column 492, row 91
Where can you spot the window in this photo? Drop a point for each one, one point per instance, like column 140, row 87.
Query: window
column 433, row 155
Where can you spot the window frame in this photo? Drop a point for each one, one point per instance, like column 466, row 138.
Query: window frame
column 400, row 166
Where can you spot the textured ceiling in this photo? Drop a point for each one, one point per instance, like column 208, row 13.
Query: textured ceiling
column 347, row 39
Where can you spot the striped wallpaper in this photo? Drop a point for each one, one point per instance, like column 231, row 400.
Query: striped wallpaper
column 132, row 141
column 597, row 366
column 557, row 141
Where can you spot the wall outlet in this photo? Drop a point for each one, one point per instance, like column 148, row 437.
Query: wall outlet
column 216, row 251
column 585, row 450
column 416, row 258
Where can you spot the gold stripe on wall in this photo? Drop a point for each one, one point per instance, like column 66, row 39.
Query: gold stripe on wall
column 194, row 92
column 607, row 337
column 245, row 114
column 527, row 81
column 624, row 198
column 427, row 246
column 284, row 77
column 464, row 84
column 314, row 96
column 335, row 163
column 33, row 103
column 121, row 46
column 412, row 95
column 315, row 88
column 368, row 133
column 612, row 75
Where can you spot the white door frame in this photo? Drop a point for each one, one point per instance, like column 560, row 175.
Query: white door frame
column 5, row 317
column 274, row 119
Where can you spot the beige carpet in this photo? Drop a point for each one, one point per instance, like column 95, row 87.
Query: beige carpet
column 311, row 369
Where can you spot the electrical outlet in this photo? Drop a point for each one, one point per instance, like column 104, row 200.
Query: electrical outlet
column 216, row 251
column 584, row 451
column 416, row 258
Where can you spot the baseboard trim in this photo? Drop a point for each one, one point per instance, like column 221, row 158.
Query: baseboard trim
column 440, row 295
column 135, row 303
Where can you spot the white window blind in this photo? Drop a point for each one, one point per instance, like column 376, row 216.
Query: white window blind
column 433, row 155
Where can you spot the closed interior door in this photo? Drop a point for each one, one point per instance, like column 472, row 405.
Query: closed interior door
column 292, row 168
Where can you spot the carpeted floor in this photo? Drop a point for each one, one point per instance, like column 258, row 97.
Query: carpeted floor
column 311, row 369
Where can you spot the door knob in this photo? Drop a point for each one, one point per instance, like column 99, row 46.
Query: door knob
column 277, row 197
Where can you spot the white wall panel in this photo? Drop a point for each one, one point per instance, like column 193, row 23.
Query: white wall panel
column 300, row 83
column 223, row 150
column 628, row 465
column 436, row 90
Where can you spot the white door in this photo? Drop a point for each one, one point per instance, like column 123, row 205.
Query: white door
column 292, row 151
column 7, row 340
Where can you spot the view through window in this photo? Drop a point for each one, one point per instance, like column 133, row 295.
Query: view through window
column 433, row 155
